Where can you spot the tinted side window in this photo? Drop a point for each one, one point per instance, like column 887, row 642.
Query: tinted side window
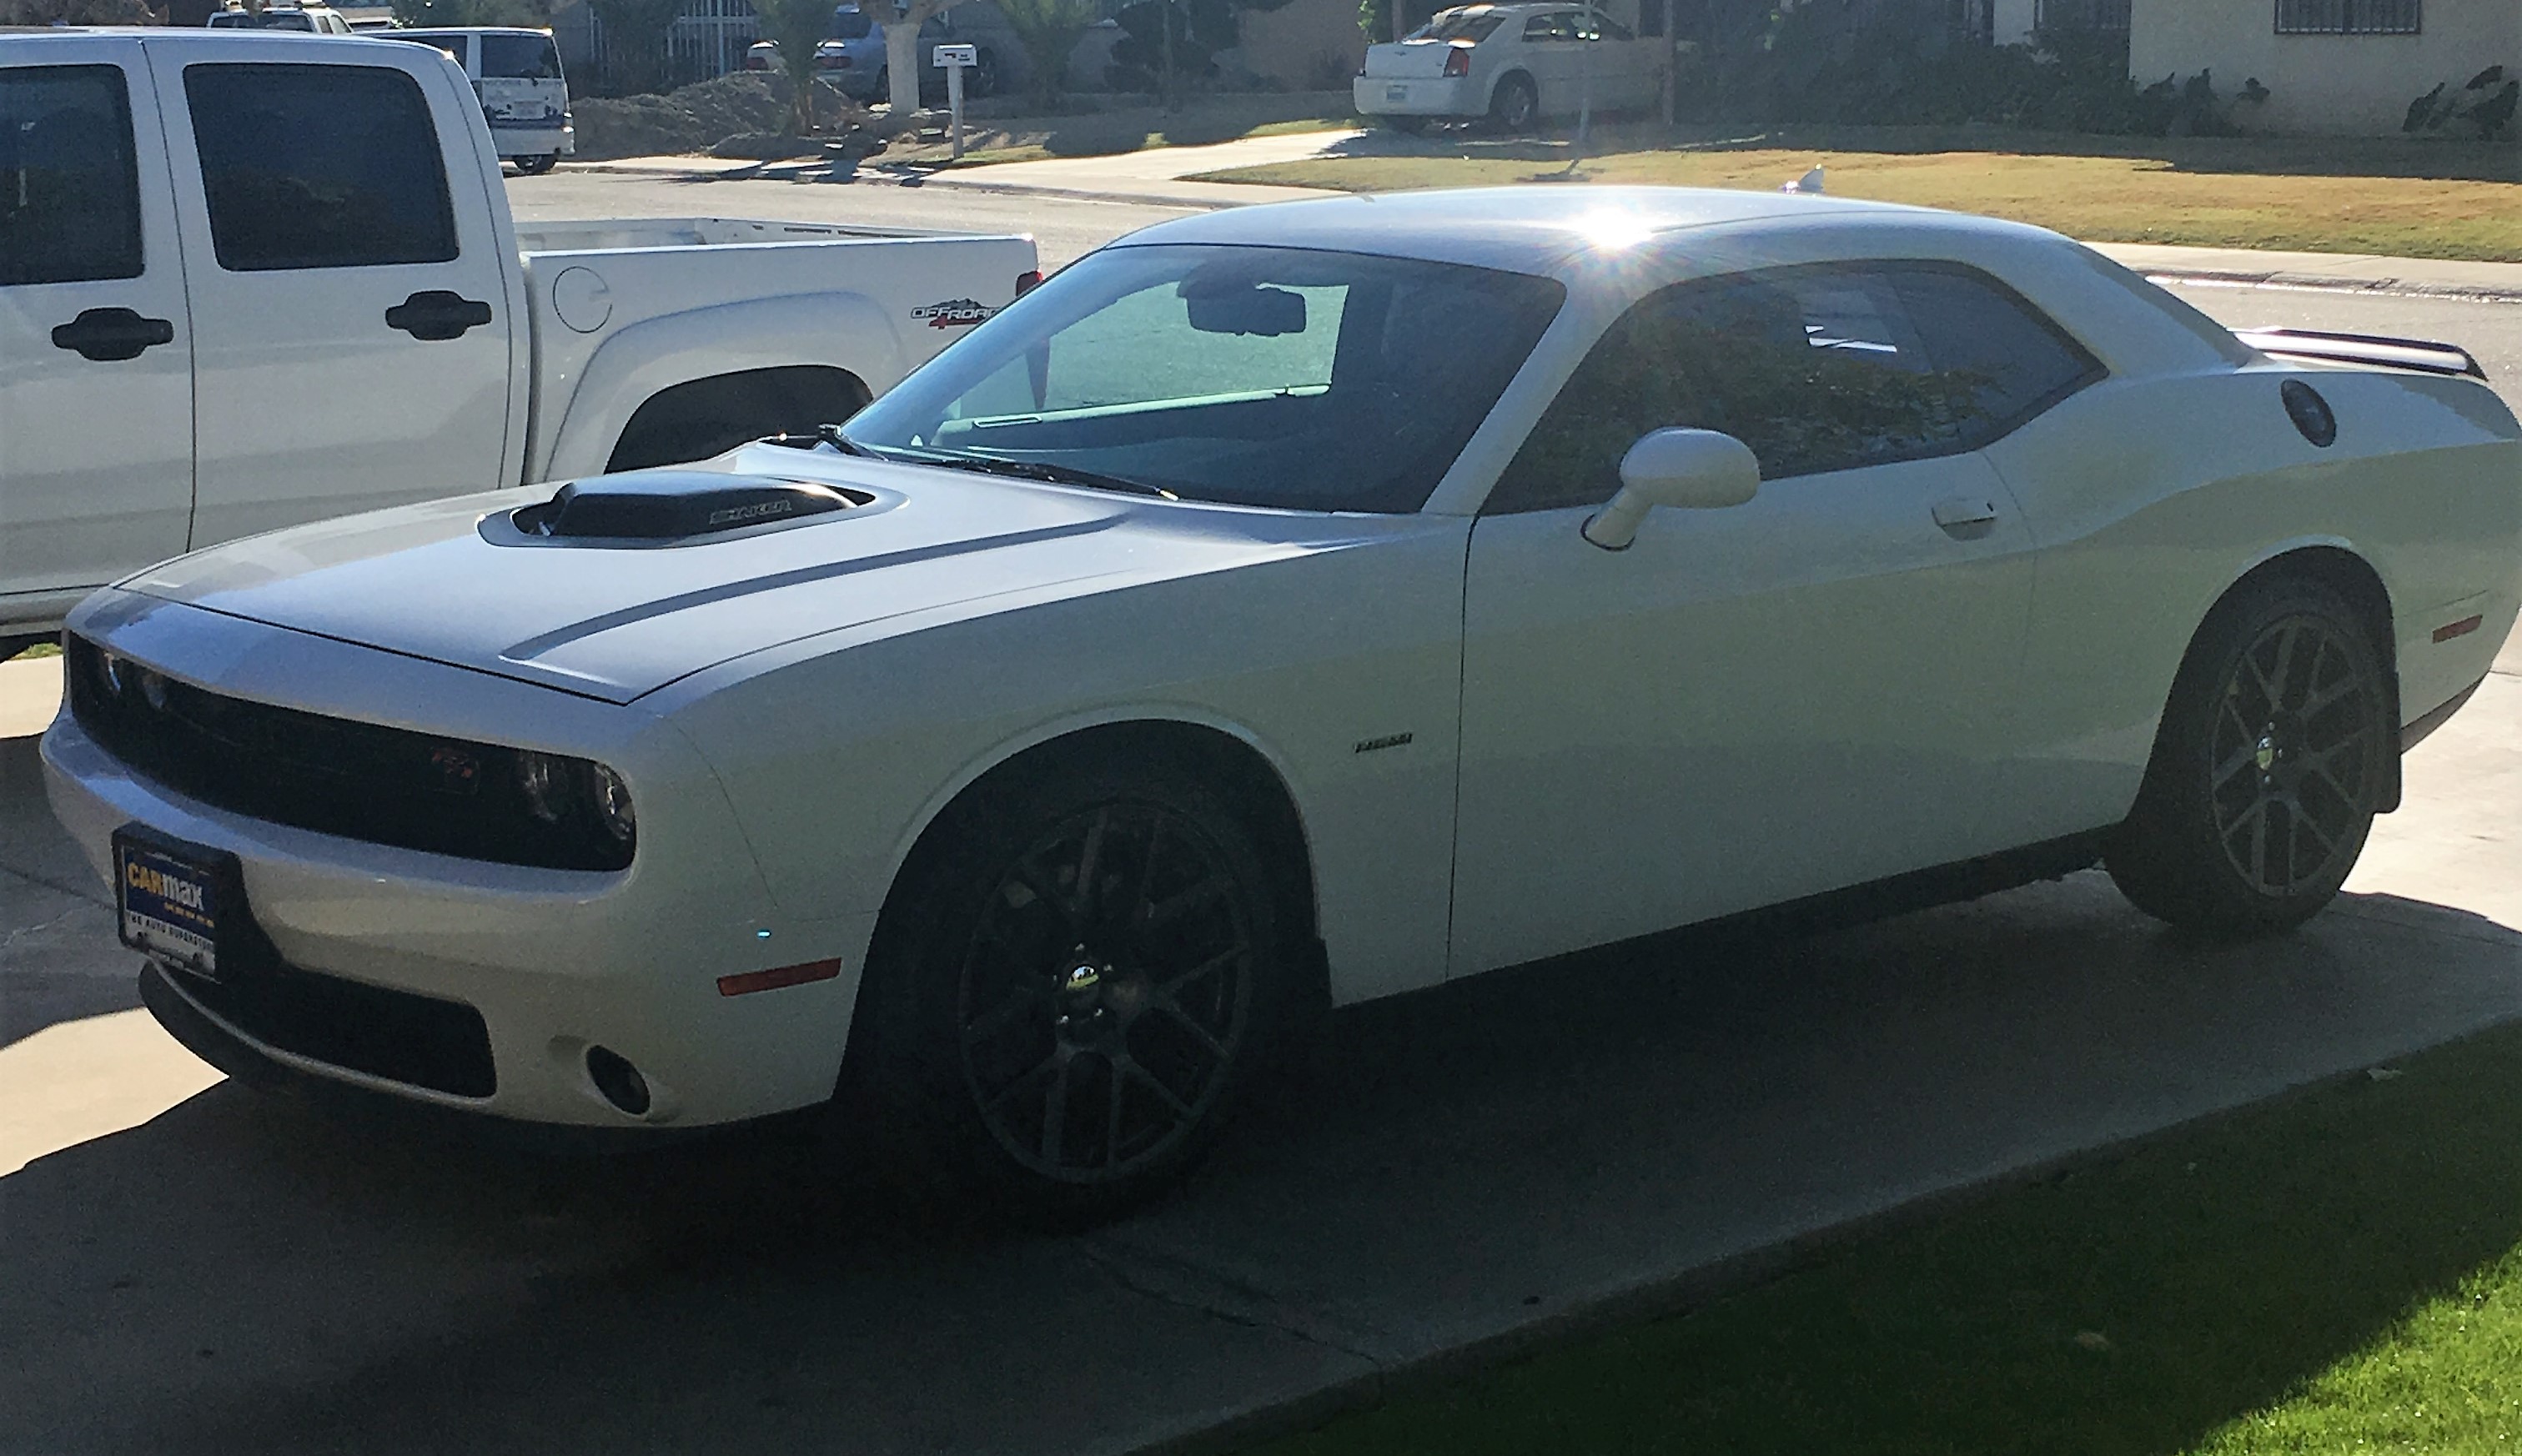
column 69, row 186
column 318, row 166
column 523, row 58
column 1816, row 369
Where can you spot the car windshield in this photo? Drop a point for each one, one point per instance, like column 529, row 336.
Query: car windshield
column 1474, row 26
column 520, row 57
column 1259, row 376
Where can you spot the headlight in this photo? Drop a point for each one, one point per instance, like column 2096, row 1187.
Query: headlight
column 575, row 794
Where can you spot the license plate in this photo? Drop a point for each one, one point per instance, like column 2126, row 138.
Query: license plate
column 170, row 899
column 1396, row 93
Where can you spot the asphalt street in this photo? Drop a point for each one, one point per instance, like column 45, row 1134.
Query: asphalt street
column 187, row 1266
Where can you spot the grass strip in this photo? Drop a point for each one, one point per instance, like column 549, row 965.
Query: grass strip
column 2338, row 1270
column 2360, row 201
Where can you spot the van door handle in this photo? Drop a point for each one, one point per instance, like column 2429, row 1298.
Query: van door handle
column 1962, row 514
column 109, row 335
column 435, row 315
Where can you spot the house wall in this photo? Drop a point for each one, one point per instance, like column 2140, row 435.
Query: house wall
column 2011, row 21
column 2328, row 85
column 1306, row 44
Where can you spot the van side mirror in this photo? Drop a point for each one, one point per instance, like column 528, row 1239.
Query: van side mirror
column 1692, row 469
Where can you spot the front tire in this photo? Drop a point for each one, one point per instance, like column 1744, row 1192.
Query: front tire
column 2268, row 769
column 1070, row 991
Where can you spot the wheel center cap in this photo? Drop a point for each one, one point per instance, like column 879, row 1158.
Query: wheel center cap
column 2268, row 754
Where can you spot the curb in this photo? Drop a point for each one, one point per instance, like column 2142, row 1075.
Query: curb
column 1674, row 1295
column 2397, row 287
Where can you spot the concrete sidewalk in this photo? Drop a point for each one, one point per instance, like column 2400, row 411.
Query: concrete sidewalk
column 1161, row 176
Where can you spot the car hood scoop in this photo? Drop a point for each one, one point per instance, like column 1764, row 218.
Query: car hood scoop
column 649, row 508
column 593, row 606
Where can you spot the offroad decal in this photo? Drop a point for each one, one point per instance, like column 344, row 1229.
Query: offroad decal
column 954, row 313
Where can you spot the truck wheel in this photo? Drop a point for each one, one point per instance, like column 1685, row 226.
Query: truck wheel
column 535, row 166
column 2268, row 767
column 1070, row 989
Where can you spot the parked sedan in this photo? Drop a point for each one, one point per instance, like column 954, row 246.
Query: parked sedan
column 1283, row 607
column 1514, row 65
column 853, row 58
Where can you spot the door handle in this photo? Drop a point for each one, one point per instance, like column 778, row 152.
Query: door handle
column 1961, row 514
column 435, row 315
column 110, row 335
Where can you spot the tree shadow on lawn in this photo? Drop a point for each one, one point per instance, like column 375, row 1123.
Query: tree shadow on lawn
column 2430, row 158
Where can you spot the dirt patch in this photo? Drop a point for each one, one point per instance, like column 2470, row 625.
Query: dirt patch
column 698, row 118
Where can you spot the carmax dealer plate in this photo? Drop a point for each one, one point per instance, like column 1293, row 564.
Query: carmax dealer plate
column 169, row 903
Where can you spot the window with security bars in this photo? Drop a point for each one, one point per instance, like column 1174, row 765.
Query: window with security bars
column 2081, row 14
column 2351, row 16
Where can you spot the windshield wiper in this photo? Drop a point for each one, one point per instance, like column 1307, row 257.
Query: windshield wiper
column 1032, row 470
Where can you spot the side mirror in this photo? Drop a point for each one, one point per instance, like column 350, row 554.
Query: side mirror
column 1692, row 469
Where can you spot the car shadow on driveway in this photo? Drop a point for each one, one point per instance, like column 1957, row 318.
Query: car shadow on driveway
column 1452, row 1171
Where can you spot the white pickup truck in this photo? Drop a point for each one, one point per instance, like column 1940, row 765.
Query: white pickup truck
column 249, row 280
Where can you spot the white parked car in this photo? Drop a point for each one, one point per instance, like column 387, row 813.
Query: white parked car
column 204, row 232
column 305, row 20
column 1514, row 65
column 1298, row 603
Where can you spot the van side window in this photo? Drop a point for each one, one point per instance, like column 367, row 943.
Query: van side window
column 319, row 166
column 70, row 184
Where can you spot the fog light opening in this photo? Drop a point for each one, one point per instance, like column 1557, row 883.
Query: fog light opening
column 618, row 1081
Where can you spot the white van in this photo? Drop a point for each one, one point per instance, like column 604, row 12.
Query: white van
column 517, row 74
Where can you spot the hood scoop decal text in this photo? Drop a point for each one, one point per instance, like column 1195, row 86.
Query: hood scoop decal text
column 652, row 508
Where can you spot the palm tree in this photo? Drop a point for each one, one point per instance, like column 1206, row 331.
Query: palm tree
column 797, row 27
column 1047, row 30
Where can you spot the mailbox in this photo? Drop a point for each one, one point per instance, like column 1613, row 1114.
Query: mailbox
column 956, row 55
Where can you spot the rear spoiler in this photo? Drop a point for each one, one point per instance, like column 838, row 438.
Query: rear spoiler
column 2364, row 349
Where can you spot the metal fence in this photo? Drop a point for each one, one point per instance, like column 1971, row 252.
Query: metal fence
column 708, row 39
column 2351, row 16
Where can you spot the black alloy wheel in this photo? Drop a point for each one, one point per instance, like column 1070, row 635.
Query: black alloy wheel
column 1068, row 996
column 2268, row 768
column 1106, row 993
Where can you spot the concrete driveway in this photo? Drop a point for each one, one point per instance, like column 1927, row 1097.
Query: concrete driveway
column 186, row 1266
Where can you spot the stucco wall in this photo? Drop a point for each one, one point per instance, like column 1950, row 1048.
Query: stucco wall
column 2010, row 21
column 2335, row 84
column 1307, row 44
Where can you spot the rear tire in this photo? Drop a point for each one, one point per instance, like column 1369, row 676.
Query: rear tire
column 1515, row 105
column 2268, row 769
column 535, row 166
column 1069, row 992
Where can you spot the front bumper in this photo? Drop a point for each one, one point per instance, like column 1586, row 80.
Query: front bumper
column 551, row 961
column 1416, row 96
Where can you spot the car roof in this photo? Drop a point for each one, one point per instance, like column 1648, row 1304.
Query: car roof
column 1529, row 228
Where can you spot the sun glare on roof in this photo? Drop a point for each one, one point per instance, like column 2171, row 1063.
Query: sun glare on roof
column 1610, row 230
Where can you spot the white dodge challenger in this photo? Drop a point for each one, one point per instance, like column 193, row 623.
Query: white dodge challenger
column 1285, row 607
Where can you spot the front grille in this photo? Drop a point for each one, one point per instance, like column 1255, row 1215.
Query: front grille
column 397, row 1035
column 359, row 781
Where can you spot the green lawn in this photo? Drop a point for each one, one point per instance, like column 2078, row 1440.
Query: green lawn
column 2339, row 1271
column 2428, row 197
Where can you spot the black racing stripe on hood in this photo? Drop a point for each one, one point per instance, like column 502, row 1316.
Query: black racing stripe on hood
column 533, row 647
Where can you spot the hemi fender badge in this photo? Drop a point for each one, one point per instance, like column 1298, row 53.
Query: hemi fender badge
column 772, row 981
column 1388, row 740
column 2461, row 628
